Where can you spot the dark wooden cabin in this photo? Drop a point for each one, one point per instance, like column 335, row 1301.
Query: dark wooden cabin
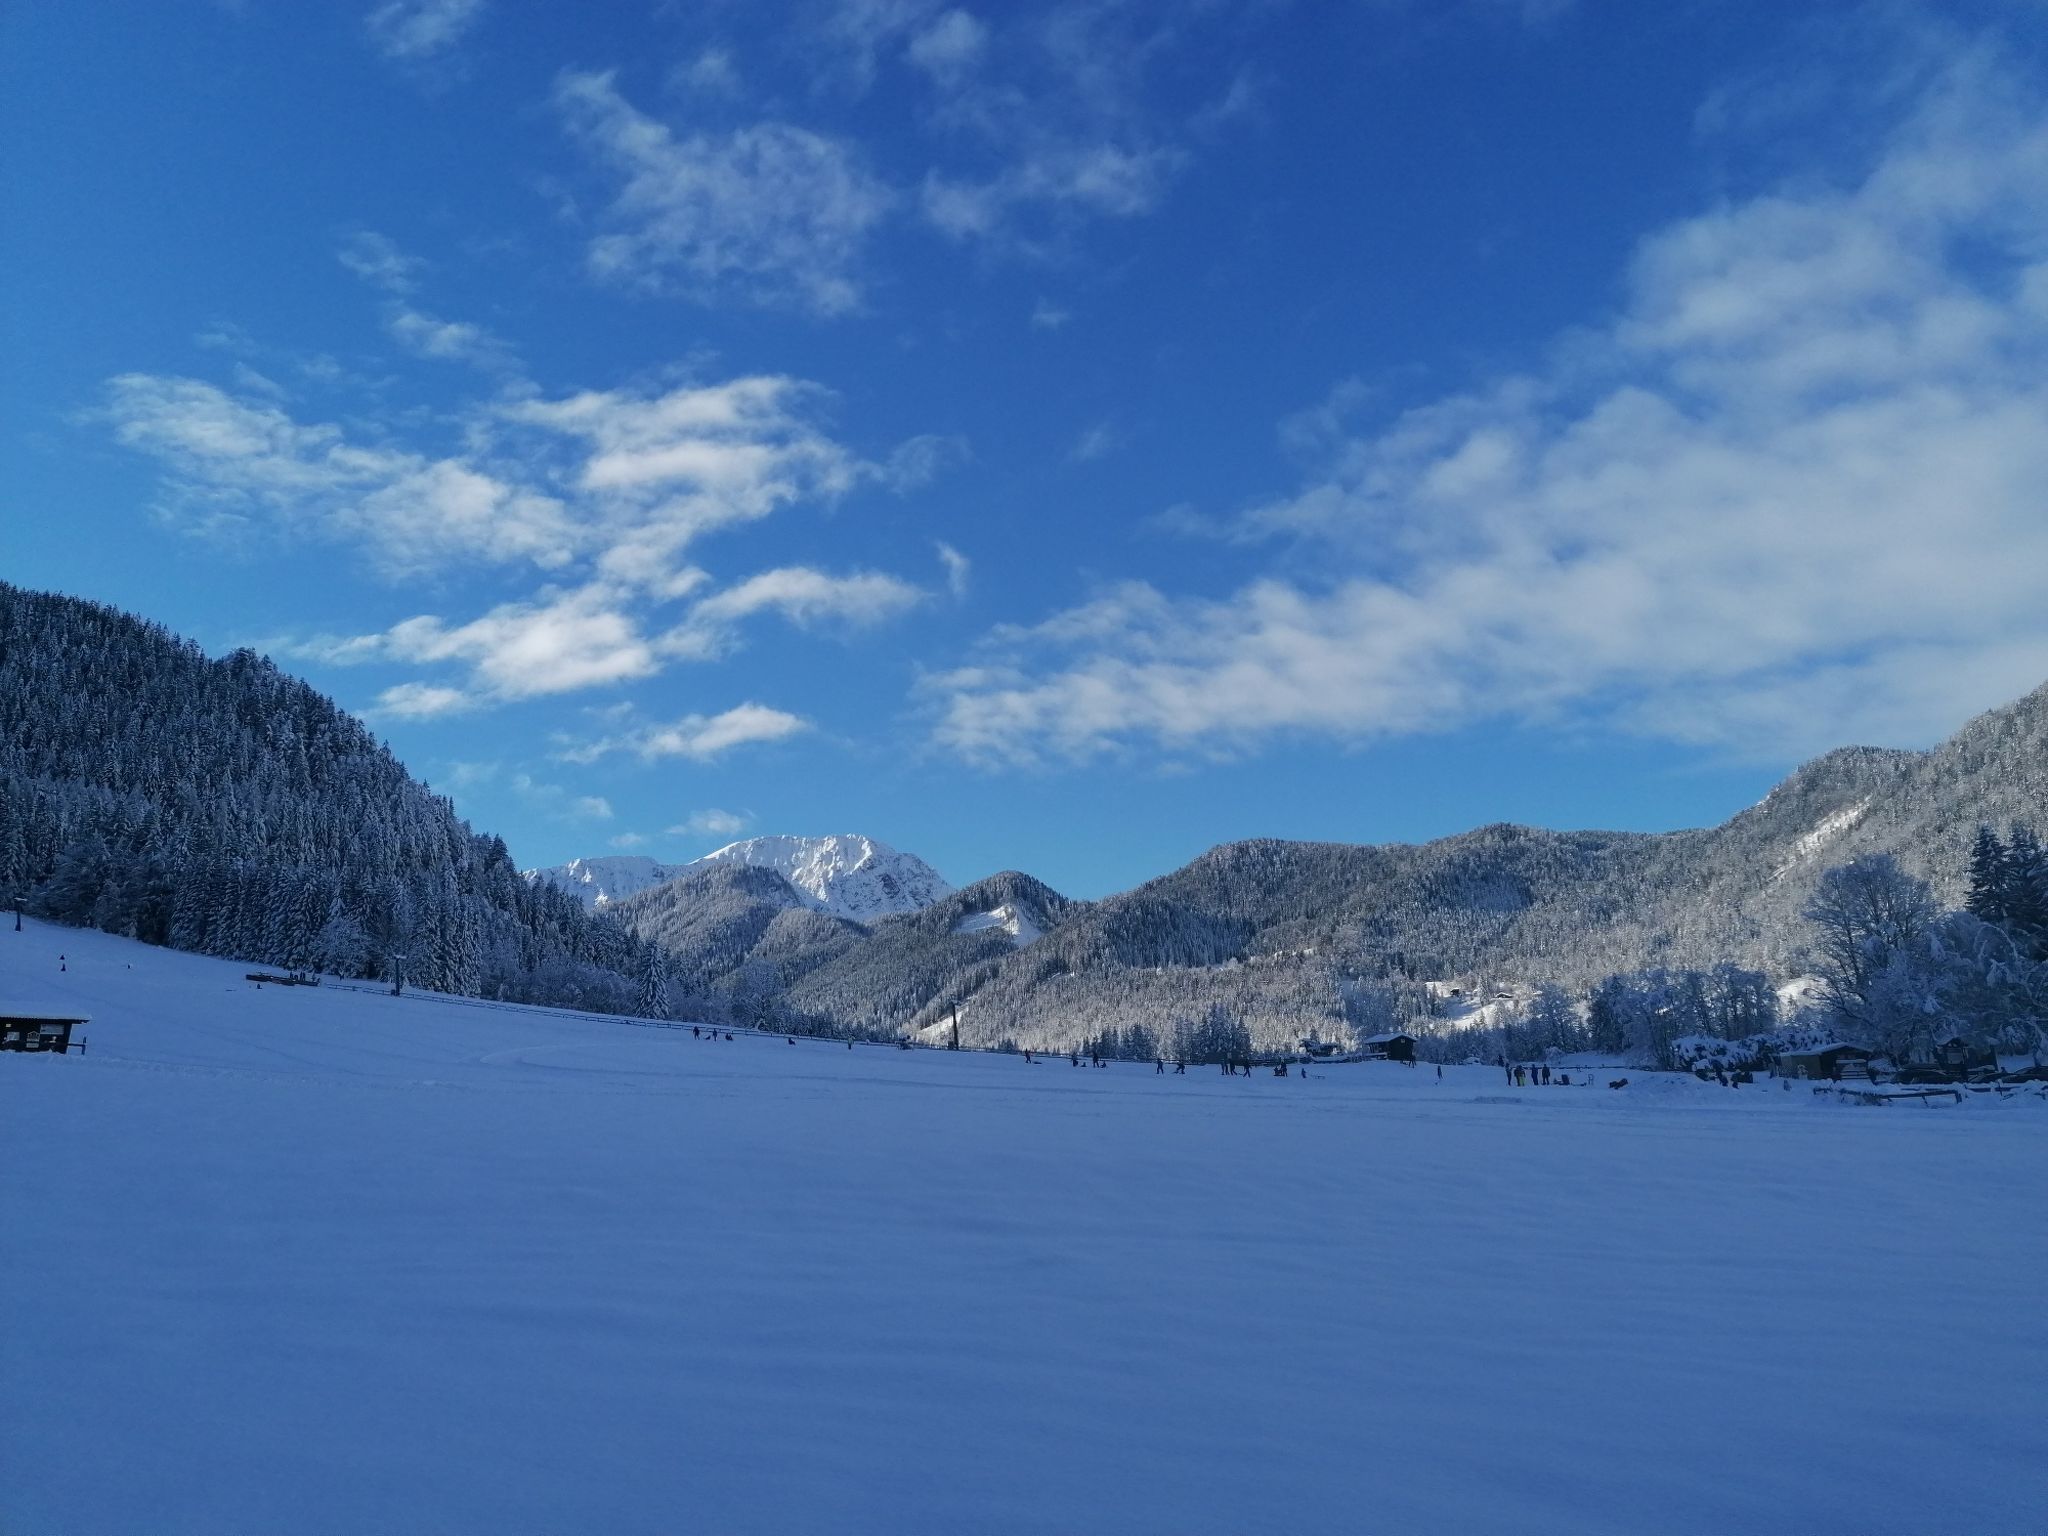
column 1828, row 1063
column 1391, row 1047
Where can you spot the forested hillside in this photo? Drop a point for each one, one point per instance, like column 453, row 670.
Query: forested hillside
column 223, row 807
column 1279, row 935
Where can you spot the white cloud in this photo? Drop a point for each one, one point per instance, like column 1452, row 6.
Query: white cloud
column 849, row 37
column 1048, row 316
column 661, row 471
column 603, row 492
column 378, row 261
column 1051, row 125
column 1105, row 179
column 805, row 596
column 422, row 701
column 1098, row 442
column 950, row 49
column 553, row 800
column 1795, row 481
column 456, row 341
column 711, row 75
column 625, row 842
column 710, row 822
column 699, row 738
column 959, row 569
column 771, row 214
column 572, row 640
column 232, row 460
column 411, row 30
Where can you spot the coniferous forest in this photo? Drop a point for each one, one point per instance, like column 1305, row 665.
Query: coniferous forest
column 223, row 807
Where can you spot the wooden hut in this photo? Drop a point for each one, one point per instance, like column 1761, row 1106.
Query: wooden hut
column 1827, row 1063
column 24, row 1031
column 1388, row 1047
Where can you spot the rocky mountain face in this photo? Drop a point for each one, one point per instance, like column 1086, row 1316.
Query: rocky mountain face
column 843, row 875
column 1270, row 930
column 601, row 881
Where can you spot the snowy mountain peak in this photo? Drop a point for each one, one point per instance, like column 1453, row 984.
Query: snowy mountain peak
column 600, row 882
column 844, row 874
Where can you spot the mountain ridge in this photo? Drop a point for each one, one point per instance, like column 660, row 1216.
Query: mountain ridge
column 842, row 874
column 1271, row 929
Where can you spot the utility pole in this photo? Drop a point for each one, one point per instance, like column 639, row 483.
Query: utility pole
column 956, row 1029
column 397, row 975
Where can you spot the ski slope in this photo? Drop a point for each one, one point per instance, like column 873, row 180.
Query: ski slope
column 320, row 1261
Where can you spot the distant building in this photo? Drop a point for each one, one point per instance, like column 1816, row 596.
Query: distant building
column 1391, row 1047
column 1830, row 1063
column 37, row 1031
column 1959, row 1056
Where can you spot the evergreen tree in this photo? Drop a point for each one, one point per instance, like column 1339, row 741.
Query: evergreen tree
column 1987, row 898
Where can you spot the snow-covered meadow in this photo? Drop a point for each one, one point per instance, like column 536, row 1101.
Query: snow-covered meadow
column 323, row 1261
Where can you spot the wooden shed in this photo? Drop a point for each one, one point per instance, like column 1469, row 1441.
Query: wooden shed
column 1825, row 1062
column 1389, row 1047
column 23, row 1031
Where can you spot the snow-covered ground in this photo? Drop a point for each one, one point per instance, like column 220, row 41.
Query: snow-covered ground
column 1014, row 921
column 318, row 1261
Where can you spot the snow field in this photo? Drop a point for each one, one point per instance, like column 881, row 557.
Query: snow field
column 319, row 1261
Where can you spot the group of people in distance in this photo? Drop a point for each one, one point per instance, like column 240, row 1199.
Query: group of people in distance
column 1531, row 1075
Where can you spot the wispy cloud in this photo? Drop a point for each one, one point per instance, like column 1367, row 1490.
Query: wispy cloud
column 454, row 341
column 1048, row 316
column 950, row 48
column 378, row 261
column 1792, row 484
column 698, row 738
column 799, row 594
column 601, row 493
column 768, row 214
column 574, row 640
column 959, row 569
column 1098, row 442
column 1051, row 122
column 711, row 822
column 412, row 30
column 421, row 701
column 231, row 461
column 713, row 75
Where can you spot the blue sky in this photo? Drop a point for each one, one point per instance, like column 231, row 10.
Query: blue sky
column 1055, row 437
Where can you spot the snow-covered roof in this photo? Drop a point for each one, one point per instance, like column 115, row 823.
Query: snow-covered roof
column 1399, row 1034
column 1832, row 1045
column 12, row 1015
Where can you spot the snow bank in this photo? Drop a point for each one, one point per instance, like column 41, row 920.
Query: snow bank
column 321, row 1261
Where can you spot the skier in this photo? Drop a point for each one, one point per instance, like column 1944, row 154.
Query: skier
column 696, row 1033
column 1159, row 1067
column 1510, row 1071
column 1439, row 1071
